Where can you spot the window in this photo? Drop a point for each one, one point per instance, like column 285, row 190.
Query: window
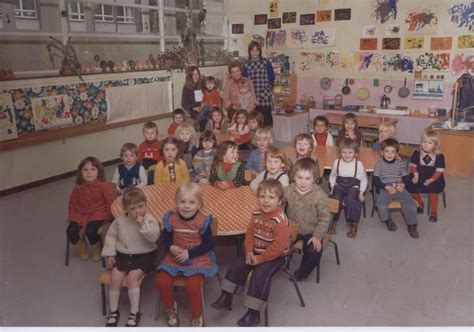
column 104, row 13
column 25, row 9
column 125, row 14
column 76, row 11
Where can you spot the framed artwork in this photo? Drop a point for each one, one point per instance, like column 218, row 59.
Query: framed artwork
column 323, row 37
column 7, row 118
column 237, row 28
column 307, row 19
column 415, row 42
column 323, row 15
column 274, row 23
column 274, row 8
column 343, row 14
column 368, row 44
column 289, row 17
column 390, row 43
column 441, row 43
column 51, row 111
column 466, row 41
column 260, row 19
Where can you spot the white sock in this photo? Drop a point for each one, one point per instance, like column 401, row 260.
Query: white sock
column 114, row 295
column 134, row 297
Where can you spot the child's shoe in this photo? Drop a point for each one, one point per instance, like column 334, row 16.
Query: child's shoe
column 224, row 301
column 352, row 230
column 332, row 227
column 412, row 231
column 96, row 252
column 420, row 210
column 133, row 319
column 112, row 319
column 251, row 318
column 82, row 247
column 434, row 218
column 391, row 226
column 197, row 321
column 173, row 318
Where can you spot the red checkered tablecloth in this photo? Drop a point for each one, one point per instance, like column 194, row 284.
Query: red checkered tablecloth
column 232, row 207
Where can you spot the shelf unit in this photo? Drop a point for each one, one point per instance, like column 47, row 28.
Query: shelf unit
column 287, row 93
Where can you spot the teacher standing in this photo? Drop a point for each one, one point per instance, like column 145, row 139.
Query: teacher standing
column 192, row 97
column 260, row 72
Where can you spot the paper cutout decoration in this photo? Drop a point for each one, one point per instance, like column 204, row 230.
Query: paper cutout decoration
column 323, row 15
column 323, row 37
column 258, row 38
column 237, row 28
column 368, row 31
column 297, row 38
column 393, row 29
column 384, row 10
column 399, row 62
column 289, row 17
column 348, row 60
column 309, row 60
column 430, row 61
column 274, row 8
column 368, row 44
column 466, row 41
column 390, row 43
column 52, row 111
column 462, row 14
column 7, row 118
column 441, row 43
column 307, row 19
column 333, row 59
column 342, row 14
column 461, row 65
column 260, row 19
column 415, row 42
column 274, row 23
column 421, row 21
column 276, row 38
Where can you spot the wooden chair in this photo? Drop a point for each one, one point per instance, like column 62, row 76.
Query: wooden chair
column 392, row 205
column 369, row 138
column 181, row 282
column 298, row 246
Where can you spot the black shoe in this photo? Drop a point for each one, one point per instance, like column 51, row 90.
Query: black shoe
column 419, row 210
column 299, row 275
column 112, row 319
column 391, row 226
column 133, row 319
column 251, row 318
column 434, row 218
column 223, row 302
column 412, row 231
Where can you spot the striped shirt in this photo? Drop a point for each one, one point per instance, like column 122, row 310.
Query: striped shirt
column 390, row 172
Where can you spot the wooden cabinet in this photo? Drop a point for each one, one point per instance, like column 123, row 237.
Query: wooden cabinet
column 284, row 90
column 458, row 150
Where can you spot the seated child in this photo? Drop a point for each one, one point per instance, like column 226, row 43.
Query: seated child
column 203, row 159
column 254, row 121
column 187, row 236
column 391, row 176
column 89, row 207
column 130, row 173
column 247, row 99
column 321, row 135
column 130, row 250
column 304, row 145
column 216, row 123
column 386, row 130
column 349, row 129
column 186, row 134
column 240, row 132
column 149, row 149
column 348, row 182
column 276, row 166
column 179, row 117
column 308, row 206
column 226, row 169
column 427, row 168
column 211, row 96
column 266, row 245
column 256, row 160
column 171, row 168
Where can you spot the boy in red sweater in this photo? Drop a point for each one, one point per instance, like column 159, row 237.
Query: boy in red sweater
column 149, row 149
column 266, row 245
column 211, row 96
column 179, row 117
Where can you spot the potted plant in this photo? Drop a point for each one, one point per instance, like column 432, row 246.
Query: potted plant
column 69, row 62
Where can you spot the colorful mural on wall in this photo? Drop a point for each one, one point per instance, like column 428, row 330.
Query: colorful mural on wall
column 384, row 10
column 462, row 14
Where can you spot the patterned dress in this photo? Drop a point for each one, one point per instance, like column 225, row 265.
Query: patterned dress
column 426, row 164
column 257, row 71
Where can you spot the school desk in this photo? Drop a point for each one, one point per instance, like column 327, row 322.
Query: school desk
column 287, row 126
column 232, row 208
column 371, row 122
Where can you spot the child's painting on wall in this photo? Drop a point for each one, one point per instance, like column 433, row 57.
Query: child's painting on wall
column 7, row 118
column 52, row 111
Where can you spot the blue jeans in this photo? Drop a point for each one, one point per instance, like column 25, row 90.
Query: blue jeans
column 310, row 257
column 406, row 202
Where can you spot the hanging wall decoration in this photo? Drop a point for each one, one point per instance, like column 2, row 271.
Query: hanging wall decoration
column 393, row 29
column 310, row 60
column 430, row 61
column 368, row 31
column 258, row 38
column 399, row 62
column 274, row 8
column 307, row 19
column 237, row 29
column 415, row 42
column 441, row 43
column 289, row 17
column 297, row 38
column 7, row 118
column 367, row 44
column 462, row 14
column 461, row 64
column 333, row 59
column 323, row 37
column 260, row 19
column 390, row 43
column 343, row 14
column 323, row 15
column 422, row 21
column 274, row 23
column 384, row 10
column 348, row 60
column 276, row 39
column 52, row 111
column 466, row 41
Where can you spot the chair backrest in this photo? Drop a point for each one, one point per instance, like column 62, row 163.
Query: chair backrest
column 333, row 205
column 405, row 151
column 293, row 230
column 214, row 225
column 248, row 175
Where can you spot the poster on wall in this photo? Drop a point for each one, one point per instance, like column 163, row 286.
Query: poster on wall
column 461, row 64
column 276, row 39
column 7, row 118
column 274, row 8
column 462, row 15
column 274, row 23
column 466, row 41
column 431, row 61
column 368, row 44
column 393, row 30
column 322, row 37
column 382, row 11
column 368, row 31
column 414, row 43
column 297, row 38
column 52, row 111
column 422, row 21
column 311, row 60
column 289, row 17
column 260, row 19
column 323, row 15
column 307, row 19
column 441, row 43
column 343, row 14
column 237, row 29
column 390, row 43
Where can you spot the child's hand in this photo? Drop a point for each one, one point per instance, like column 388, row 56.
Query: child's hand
column 197, row 109
column 175, row 250
column 250, row 259
column 416, row 177
column 361, row 196
column 427, row 182
column 222, row 185
column 151, row 168
column 351, row 135
column 183, row 256
column 400, row 187
column 140, row 221
column 391, row 189
column 316, row 243
column 110, row 261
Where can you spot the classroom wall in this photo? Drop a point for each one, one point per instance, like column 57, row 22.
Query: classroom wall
column 32, row 163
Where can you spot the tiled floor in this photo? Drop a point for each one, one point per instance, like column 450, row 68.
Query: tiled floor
column 384, row 278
